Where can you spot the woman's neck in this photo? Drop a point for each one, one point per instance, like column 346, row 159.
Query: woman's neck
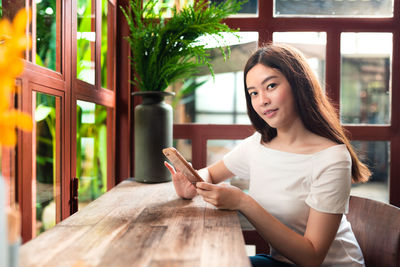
column 293, row 134
column 297, row 139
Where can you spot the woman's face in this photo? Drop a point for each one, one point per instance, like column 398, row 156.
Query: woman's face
column 271, row 96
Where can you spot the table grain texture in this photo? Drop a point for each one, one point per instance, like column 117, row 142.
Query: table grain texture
column 136, row 224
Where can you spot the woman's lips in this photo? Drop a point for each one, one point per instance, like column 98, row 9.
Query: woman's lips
column 270, row 112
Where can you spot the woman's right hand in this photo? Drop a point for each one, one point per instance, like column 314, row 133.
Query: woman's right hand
column 183, row 187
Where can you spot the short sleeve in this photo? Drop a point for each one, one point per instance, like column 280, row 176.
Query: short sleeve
column 331, row 181
column 237, row 160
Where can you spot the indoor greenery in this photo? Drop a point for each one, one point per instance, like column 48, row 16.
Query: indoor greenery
column 165, row 50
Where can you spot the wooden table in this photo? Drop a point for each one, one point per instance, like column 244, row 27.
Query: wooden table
column 137, row 224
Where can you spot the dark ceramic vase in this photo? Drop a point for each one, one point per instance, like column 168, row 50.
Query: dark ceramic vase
column 153, row 132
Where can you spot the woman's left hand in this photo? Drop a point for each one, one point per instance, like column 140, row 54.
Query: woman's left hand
column 221, row 196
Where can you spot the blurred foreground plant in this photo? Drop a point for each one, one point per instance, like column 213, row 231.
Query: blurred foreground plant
column 13, row 44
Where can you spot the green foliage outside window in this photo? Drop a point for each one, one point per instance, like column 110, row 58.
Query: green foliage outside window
column 104, row 39
column 84, row 70
column 86, row 36
column 91, row 157
column 46, row 34
column 45, row 119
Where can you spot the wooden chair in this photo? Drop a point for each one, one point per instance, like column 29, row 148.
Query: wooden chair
column 376, row 226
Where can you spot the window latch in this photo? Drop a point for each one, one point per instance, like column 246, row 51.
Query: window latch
column 74, row 195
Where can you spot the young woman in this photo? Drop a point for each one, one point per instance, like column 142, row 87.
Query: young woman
column 299, row 162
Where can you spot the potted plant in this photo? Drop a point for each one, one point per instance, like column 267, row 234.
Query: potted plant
column 164, row 51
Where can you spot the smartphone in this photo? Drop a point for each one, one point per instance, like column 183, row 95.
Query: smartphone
column 182, row 165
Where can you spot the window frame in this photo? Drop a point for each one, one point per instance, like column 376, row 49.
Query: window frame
column 63, row 85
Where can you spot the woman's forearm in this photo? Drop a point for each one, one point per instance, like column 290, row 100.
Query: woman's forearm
column 215, row 173
column 205, row 174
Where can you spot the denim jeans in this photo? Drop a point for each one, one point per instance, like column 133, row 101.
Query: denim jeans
column 261, row 260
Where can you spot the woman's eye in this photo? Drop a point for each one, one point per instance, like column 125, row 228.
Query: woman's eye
column 271, row 86
column 252, row 93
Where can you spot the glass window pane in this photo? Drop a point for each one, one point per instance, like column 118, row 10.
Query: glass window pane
column 311, row 44
column 48, row 188
column 365, row 78
column 216, row 149
column 209, row 95
column 167, row 5
column 219, row 99
column 184, row 146
column 336, row 8
column 91, row 158
column 104, row 43
column 86, row 37
column 249, row 9
column 46, row 33
column 376, row 155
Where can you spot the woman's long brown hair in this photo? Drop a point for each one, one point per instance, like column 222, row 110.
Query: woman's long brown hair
column 315, row 110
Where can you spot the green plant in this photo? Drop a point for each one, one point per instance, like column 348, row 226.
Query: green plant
column 93, row 176
column 84, row 50
column 83, row 46
column 46, row 30
column 167, row 50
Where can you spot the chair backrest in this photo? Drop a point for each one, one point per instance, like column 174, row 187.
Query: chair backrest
column 376, row 226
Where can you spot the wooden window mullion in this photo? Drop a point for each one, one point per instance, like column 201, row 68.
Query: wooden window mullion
column 28, row 171
column 57, row 188
column 332, row 67
column 58, row 36
column 394, row 181
column 32, row 52
column 98, row 30
column 110, row 148
column 111, row 40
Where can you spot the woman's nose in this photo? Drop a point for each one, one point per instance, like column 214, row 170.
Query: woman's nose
column 264, row 99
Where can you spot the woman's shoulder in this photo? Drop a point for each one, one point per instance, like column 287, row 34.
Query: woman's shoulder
column 338, row 151
column 247, row 144
column 319, row 143
column 326, row 149
column 335, row 156
column 254, row 138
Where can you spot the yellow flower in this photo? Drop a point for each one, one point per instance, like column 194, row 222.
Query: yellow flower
column 13, row 43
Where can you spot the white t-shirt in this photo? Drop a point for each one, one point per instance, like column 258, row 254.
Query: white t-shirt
column 288, row 184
